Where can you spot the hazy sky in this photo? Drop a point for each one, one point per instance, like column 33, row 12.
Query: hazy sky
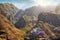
column 22, row 4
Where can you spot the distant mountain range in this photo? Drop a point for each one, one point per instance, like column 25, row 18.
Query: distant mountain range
column 36, row 10
column 14, row 14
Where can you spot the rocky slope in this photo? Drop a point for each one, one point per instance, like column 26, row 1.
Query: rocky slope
column 47, row 28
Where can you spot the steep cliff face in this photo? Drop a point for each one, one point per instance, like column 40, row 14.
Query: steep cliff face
column 8, row 10
column 50, row 18
column 57, row 10
column 21, row 23
column 11, row 32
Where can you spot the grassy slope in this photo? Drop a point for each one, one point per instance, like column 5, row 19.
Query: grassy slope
column 12, row 32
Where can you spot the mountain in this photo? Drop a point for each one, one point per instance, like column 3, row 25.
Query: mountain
column 33, row 11
column 8, row 30
column 49, row 8
column 57, row 10
column 27, row 16
column 30, row 14
column 50, row 18
column 8, row 10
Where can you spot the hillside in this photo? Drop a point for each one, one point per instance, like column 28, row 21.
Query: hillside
column 9, row 11
column 33, row 31
column 11, row 32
